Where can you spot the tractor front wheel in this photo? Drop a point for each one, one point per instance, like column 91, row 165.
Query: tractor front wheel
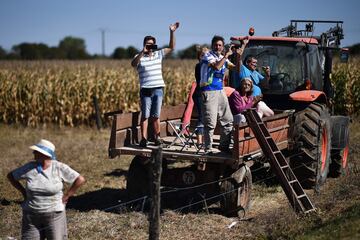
column 311, row 134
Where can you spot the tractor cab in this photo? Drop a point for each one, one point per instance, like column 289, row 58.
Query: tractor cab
column 295, row 64
column 298, row 61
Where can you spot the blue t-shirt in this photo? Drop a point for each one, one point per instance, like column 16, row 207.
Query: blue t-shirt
column 255, row 76
column 211, row 79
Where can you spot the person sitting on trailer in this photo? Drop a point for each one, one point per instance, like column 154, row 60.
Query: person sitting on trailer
column 242, row 99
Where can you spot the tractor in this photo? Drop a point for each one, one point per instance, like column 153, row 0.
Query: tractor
column 301, row 65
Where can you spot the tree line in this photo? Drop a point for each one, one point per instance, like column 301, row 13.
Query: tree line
column 75, row 48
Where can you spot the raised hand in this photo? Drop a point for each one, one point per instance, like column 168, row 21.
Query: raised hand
column 174, row 26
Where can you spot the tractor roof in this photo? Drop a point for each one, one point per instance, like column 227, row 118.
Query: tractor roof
column 308, row 40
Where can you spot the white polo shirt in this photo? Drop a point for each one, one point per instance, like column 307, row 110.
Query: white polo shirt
column 44, row 190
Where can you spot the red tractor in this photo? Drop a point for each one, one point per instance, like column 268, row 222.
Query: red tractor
column 301, row 66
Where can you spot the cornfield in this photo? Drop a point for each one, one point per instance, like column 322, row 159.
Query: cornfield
column 35, row 93
column 61, row 92
column 346, row 81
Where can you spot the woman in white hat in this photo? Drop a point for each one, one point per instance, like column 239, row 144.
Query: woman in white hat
column 44, row 201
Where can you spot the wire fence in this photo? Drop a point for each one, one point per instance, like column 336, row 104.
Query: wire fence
column 143, row 200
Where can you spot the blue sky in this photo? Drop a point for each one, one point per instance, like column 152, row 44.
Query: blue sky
column 127, row 22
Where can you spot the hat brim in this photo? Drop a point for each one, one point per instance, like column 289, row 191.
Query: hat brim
column 36, row 148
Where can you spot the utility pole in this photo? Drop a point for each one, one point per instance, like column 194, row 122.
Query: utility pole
column 102, row 30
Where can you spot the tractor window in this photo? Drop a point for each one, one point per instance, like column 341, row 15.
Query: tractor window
column 315, row 69
column 285, row 61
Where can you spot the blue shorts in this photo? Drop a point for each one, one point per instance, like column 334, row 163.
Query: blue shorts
column 151, row 101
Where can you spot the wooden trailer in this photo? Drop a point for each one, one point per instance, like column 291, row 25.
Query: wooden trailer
column 188, row 173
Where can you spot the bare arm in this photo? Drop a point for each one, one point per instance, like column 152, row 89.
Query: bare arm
column 135, row 62
column 218, row 64
column 16, row 184
column 80, row 180
column 172, row 41
column 240, row 52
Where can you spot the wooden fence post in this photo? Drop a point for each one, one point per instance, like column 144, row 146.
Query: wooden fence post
column 97, row 113
column 154, row 225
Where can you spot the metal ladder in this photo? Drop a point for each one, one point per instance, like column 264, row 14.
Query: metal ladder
column 290, row 184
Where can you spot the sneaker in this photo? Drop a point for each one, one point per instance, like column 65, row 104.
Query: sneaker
column 143, row 143
column 158, row 141
column 225, row 149
column 208, row 151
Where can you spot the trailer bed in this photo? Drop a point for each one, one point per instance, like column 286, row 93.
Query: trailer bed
column 125, row 136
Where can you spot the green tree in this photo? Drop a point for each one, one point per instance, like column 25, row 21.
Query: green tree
column 131, row 51
column 355, row 49
column 120, row 53
column 73, row 48
column 31, row 51
column 188, row 53
column 2, row 53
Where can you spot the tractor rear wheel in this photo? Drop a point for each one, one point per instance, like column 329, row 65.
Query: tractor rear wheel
column 339, row 162
column 310, row 133
column 236, row 196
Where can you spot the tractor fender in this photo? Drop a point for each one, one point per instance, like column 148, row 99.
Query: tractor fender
column 309, row 96
column 240, row 174
column 340, row 132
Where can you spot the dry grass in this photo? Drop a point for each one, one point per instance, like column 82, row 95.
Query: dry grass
column 85, row 149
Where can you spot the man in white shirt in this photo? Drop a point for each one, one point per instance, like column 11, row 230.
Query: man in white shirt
column 148, row 64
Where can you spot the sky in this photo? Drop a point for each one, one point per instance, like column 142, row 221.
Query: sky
column 125, row 23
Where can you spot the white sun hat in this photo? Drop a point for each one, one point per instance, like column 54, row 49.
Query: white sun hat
column 45, row 147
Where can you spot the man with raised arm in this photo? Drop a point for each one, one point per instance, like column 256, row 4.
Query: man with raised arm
column 148, row 63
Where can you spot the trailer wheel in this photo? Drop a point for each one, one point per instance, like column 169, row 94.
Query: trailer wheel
column 339, row 162
column 236, row 196
column 138, row 182
column 310, row 132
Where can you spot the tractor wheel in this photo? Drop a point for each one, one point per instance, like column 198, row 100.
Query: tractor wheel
column 339, row 162
column 312, row 138
column 138, row 182
column 236, row 196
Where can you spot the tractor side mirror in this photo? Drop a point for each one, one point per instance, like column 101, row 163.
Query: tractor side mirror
column 344, row 55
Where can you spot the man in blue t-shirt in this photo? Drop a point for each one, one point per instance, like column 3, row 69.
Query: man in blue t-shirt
column 249, row 71
column 215, row 105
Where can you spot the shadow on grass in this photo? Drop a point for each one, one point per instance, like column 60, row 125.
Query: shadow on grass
column 105, row 199
column 5, row 202
column 117, row 173
column 348, row 219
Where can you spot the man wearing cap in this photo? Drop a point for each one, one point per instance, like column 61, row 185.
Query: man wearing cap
column 44, row 201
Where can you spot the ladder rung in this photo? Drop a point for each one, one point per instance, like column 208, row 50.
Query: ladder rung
column 293, row 181
column 285, row 166
column 301, row 196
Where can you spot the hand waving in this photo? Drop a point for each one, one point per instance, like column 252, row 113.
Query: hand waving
column 174, row 26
